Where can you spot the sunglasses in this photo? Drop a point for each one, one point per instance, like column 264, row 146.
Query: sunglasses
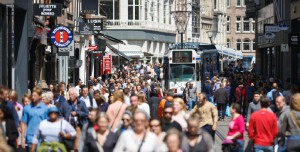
column 124, row 119
column 166, row 112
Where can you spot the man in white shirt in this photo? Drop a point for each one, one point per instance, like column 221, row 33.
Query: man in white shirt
column 78, row 86
column 89, row 101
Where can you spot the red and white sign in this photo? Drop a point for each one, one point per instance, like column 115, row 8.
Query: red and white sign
column 93, row 48
column 107, row 64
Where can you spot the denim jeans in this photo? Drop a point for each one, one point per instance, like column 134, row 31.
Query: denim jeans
column 221, row 110
column 263, row 148
column 191, row 103
column 241, row 144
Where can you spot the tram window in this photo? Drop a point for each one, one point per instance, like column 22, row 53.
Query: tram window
column 182, row 72
column 182, row 56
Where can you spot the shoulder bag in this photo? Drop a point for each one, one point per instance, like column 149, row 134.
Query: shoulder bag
column 69, row 143
column 117, row 115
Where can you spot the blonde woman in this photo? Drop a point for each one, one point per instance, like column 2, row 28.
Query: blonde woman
column 116, row 110
column 143, row 105
column 179, row 113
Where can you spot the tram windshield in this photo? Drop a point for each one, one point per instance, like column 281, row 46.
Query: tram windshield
column 182, row 72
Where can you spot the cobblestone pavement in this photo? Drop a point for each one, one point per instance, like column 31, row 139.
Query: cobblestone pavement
column 221, row 133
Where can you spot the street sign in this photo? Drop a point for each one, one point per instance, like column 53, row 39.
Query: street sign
column 47, row 9
column 284, row 48
column 86, row 29
column 90, row 7
column 268, row 28
column 293, row 39
column 61, row 36
column 98, row 23
column 67, row 51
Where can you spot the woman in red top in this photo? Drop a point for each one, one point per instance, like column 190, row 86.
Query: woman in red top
column 236, row 126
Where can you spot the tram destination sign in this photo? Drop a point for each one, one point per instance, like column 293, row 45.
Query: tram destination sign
column 47, row 9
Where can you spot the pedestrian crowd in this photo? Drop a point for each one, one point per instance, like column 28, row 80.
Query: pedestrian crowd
column 130, row 111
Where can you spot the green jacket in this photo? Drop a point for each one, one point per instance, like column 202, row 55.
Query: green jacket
column 52, row 146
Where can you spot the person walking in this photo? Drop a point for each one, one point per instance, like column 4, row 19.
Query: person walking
column 236, row 126
column 51, row 133
column 33, row 114
column 253, row 106
column 116, row 110
column 179, row 114
column 100, row 138
column 207, row 113
column 141, row 140
column 143, row 105
column 173, row 140
column 192, row 96
column 76, row 113
column 89, row 101
column 7, row 124
column 221, row 98
column 156, row 127
column 168, row 101
column 167, row 121
column 263, row 127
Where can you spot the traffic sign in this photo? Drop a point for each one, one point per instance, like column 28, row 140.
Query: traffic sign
column 61, row 36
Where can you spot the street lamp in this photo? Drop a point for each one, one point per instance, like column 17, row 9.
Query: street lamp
column 210, row 35
column 181, row 16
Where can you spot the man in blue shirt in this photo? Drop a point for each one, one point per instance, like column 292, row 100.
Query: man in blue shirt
column 33, row 114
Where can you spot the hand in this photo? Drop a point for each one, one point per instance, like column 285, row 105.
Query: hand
column 61, row 134
column 23, row 143
column 247, row 124
column 73, row 113
column 214, row 127
column 229, row 137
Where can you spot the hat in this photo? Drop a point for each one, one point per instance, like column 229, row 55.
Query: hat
column 52, row 109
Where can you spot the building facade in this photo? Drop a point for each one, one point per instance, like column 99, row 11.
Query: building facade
column 240, row 28
column 146, row 26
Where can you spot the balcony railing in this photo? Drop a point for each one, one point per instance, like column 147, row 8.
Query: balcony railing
column 138, row 24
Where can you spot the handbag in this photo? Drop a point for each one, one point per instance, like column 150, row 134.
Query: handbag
column 69, row 143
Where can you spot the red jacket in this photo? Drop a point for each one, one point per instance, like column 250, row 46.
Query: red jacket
column 263, row 127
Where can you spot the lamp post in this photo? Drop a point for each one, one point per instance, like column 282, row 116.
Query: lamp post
column 181, row 16
column 210, row 35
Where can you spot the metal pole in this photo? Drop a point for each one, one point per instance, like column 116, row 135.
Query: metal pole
column 222, row 67
column 181, row 40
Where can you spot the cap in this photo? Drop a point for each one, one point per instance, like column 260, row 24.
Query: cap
column 52, row 109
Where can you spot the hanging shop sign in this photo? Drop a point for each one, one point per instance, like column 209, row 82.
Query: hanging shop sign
column 61, row 36
column 107, row 64
column 86, row 29
column 47, row 9
column 67, row 51
column 90, row 7
column 293, row 39
column 97, row 22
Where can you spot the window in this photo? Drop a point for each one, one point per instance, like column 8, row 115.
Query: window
column 134, row 7
column 215, row 4
column 238, row 23
column 238, row 44
column 108, row 10
column 246, row 25
column 228, row 43
column 228, row 24
column 253, row 26
column 228, row 3
column 238, row 2
column 253, row 45
column 246, row 44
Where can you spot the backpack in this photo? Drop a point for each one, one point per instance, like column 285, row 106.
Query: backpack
column 168, row 103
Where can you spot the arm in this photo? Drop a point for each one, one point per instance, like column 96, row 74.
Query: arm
column 215, row 117
column 23, row 127
column 33, row 148
column 248, row 114
column 121, row 144
column 251, row 128
column 275, row 127
column 70, row 132
column 241, row 126
column 83, row 112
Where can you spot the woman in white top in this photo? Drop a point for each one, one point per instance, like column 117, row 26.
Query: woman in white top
column 143, row 105
column 179, row 113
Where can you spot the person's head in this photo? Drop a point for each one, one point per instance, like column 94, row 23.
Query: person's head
column 193, row 125
column 235, row 108
column 265, row 102
column 79, row 83
column 26, row 99
column 142, row 98
column 13, row 96
column 191, row 85
column 138, row 88
column 201, row 98
column 256, row 96
column 62, row 86
column 173, row 140
column 275, row 86
column 126, row 91
column 50, row 87
column 127, row 119
column 140, row 121
column 178, row 105
column 280, row 102
column 93, row 113
column 155, row 125
column 4, row 93
column 134, row 100
column 36, row 95
column 73, row 94
column 119, row 95
column 168, row 113
column 85, row 91
column 295, row 102
column 46, row 98
column 102, row 121
column 187, row 84
column 170, row 93
column 53, row 113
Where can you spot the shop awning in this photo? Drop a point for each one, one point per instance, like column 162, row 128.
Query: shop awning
column 134, row 53
column 116, row 51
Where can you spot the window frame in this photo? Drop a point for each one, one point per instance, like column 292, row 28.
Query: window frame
column 238, row 41
column 245, row 43
column 240, row 24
